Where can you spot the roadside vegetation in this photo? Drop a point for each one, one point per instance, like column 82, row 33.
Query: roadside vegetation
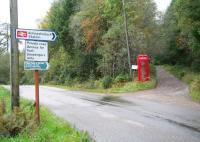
column 115, row 88
column 20, row 125
column 120, row 84
column 192, row 78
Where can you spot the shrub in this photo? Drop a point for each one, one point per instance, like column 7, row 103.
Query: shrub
column 195, row 89
column 11, row 124
column 152, row 70
column 107, row 82
column 69, row 81
column 196, row 84
column 122, row 78
column 195, row 65
column 91, row 80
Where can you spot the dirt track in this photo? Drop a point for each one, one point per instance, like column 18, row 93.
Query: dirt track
column 168, row 90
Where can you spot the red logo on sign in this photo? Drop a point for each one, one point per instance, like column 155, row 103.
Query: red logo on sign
column 23, row 34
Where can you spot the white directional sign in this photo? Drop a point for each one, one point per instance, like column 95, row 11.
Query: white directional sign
column 36, row 51
column 134, row 67
column 39, row 35
column 28, row 65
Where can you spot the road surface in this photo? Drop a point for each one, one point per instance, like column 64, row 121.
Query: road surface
column 164, row 114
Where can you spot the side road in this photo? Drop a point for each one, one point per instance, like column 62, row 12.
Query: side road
column 164, row 114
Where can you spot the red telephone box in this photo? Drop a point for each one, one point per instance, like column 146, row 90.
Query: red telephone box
column 143, row 67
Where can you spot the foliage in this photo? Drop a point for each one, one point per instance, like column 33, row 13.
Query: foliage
column 116, row 86
column 122, row 78
column 107, row 82
column 4, row 37
column 140, row 27
column 92, row 38
column 195, row 89
column 181, row 34
column 196, row 84
column 12, row 124
column 133, row 86
column 58, row 19
column 4, row 68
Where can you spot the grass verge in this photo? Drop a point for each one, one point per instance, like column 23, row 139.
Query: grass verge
column 188, row 76
column 116, row 87
column 51, row 129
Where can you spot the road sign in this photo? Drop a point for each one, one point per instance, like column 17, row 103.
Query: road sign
column 28, row 65
column 36, row 55
column 134, row 67
column 36, row 51
column 39, row 35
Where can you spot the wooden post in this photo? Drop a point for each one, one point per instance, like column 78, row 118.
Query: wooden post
column 14, row 57
column 37, row 103
column 127, row 38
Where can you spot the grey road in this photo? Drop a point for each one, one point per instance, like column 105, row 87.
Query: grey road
column 164, row 114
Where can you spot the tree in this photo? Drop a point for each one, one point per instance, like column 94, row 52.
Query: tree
column 181, row 33
column 4, row 68
column 3, row 38
column 92, row 38
column 141, row 17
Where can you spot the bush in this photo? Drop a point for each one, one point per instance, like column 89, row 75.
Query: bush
column 195, row 89
column 152, row 70
column 11, row 124
column 91, row 80
column 69, row 81
column 122, row 78
column 107, row 82
column 4, row 69
column 181, row 74
column 196, row 65
column 196, row 84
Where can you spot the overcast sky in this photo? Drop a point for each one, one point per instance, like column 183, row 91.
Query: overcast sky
column 30, row 11
column 162, row 4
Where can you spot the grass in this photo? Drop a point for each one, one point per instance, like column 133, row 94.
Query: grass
column 51, row 128
column 188, row 76
column 116, row 88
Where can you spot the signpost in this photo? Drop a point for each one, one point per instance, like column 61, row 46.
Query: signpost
column 36, row 51
column 134, row 67
column 38, row 35
column 36, row 55
column 29, row 65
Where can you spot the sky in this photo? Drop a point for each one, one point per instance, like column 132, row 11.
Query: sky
column 31, row 11
column 162, row 5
